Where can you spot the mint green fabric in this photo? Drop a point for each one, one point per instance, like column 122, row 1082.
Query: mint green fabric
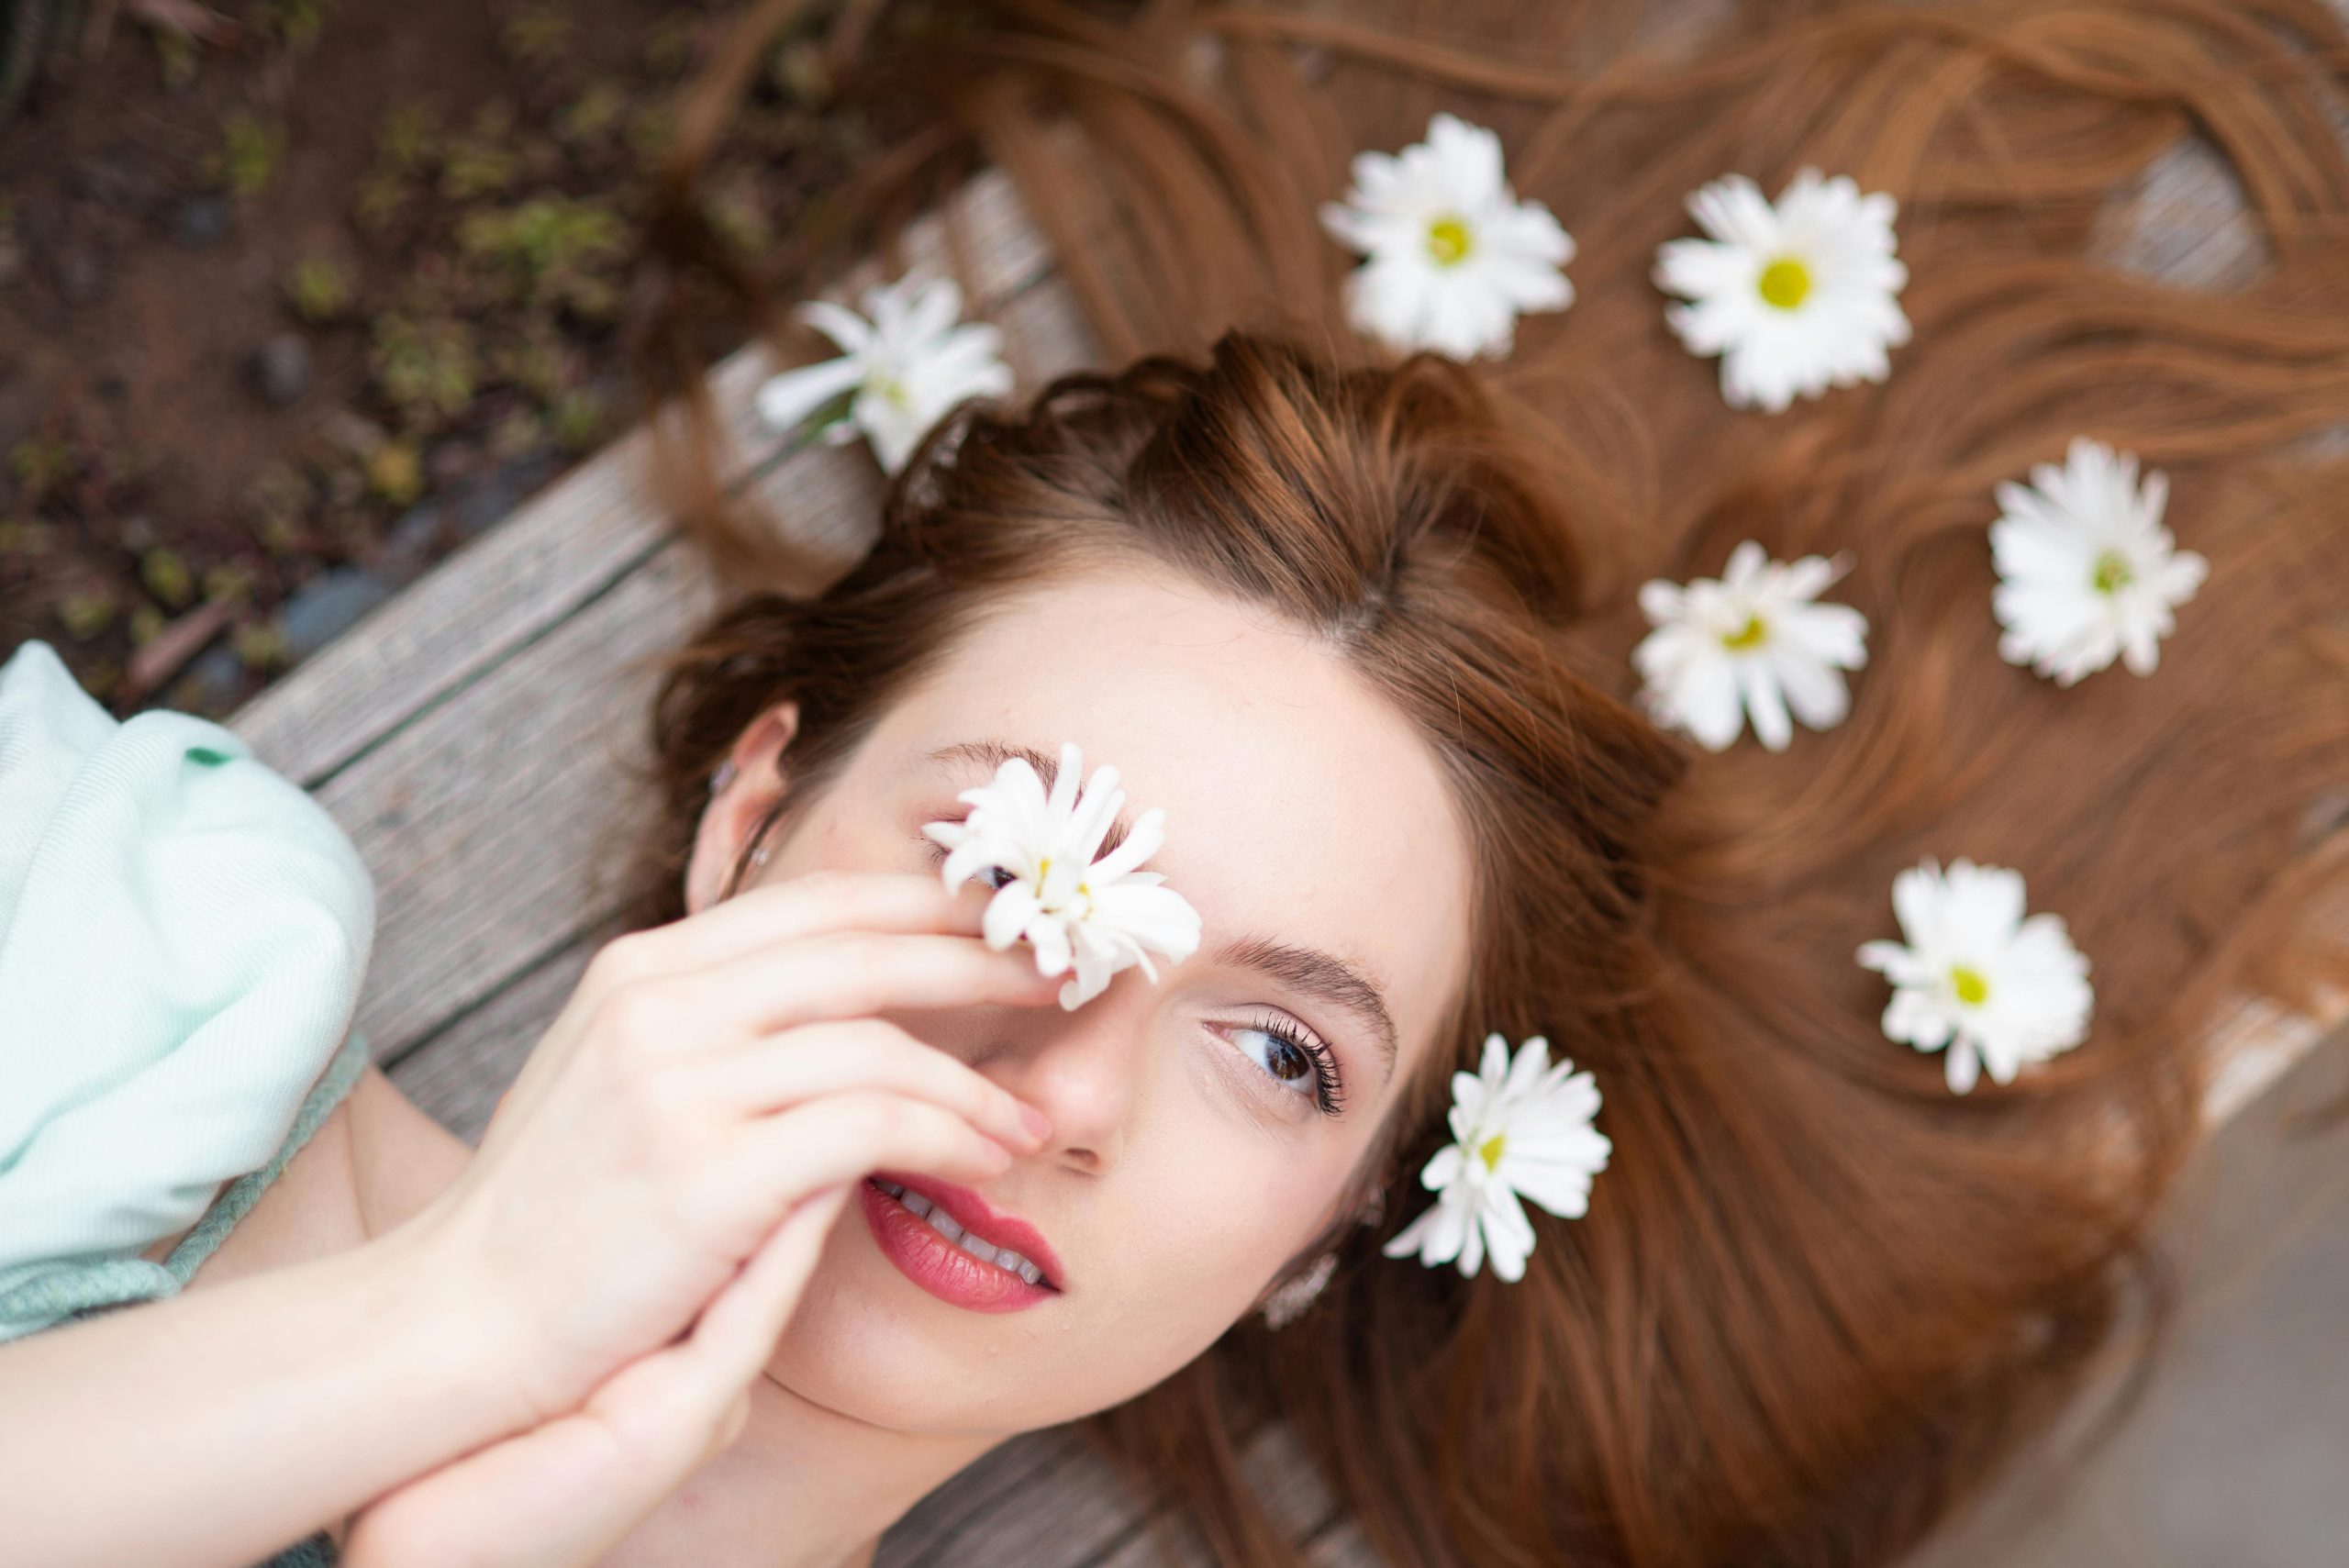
column 183, row 933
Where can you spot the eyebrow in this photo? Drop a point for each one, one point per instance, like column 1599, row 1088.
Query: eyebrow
column 1307, row 969
column 1322, row 975
column 992, row 754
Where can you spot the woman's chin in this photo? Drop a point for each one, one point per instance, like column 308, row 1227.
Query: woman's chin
column 867, row 1341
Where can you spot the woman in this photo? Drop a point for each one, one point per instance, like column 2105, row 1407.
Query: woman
column 1360, row 628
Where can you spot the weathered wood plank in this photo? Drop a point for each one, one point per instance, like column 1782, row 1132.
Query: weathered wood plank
column 571, row 542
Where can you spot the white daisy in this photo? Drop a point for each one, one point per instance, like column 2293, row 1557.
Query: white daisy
column 1453, row 256
column 2086, row 570
column 1520, row 1128
column 1750, row 642
column 1795, row 297
column 1100, row 914
column 1975, row 976
column 900, row 371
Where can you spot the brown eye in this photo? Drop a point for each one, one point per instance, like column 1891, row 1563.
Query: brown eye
column 986, row 872
column 1281, row 1057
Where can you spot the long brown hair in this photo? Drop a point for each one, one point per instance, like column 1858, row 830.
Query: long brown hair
column 1815, row 1294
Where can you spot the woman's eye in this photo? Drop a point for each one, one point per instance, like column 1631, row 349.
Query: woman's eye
column 992, row 877
column 1280, row 1057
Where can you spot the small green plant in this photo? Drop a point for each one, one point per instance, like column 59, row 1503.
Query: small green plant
column 251, row 152
column 297, row 23
column 550, row 252
column 43, row 464
column 426, row 369
column 592, row 117
column 576, row 418
column 483, row 160
column 259, row 645
column 227, row 584
column 318, row 289
column 87, row 612
column 166, row 576
column 176, row 58
column 395, row 473
column 381, row 201
column 536, row 35
column 409, row 138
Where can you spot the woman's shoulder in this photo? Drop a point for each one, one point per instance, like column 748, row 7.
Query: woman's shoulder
column 183, row 933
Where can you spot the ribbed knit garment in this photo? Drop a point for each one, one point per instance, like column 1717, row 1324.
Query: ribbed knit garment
column 183, row 936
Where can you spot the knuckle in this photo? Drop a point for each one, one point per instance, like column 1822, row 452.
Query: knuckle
column 884, row 1118
column 625, row 959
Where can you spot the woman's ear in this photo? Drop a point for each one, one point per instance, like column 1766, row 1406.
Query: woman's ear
column 747, row 784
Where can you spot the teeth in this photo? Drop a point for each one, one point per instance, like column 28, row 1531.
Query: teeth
column 942, row 1222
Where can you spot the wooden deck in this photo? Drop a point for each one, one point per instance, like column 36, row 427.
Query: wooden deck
column 466, row 735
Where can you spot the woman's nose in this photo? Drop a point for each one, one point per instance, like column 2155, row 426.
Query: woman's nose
column 1083, row 1068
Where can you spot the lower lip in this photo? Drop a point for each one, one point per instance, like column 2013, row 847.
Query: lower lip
column 939, row 1266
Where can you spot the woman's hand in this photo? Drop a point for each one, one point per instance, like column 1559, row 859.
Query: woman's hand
column 705, row 1079
column 560, row 1494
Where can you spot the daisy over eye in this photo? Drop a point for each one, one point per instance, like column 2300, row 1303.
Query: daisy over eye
column 1096, row 915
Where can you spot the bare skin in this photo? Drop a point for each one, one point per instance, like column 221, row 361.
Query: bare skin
column 1315, row 815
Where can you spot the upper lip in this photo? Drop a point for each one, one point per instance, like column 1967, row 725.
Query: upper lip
column 982, row 1219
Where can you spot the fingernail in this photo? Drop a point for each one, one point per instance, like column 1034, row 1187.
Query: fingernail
column 1038, row 1124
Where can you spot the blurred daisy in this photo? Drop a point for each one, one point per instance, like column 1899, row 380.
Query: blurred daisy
column 1102, row 915
column 1795, row 297
column 1453, row 256
column 2086, row 570
column 897, row 374
column 1974, row 977
column 1520, row 1129
column 1750, row 642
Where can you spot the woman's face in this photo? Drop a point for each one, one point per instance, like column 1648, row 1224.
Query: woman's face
column 1189, row 1157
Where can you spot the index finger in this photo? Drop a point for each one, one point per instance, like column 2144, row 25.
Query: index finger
column 809, row 905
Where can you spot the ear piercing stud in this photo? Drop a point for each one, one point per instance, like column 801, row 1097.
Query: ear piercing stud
column 722, row 777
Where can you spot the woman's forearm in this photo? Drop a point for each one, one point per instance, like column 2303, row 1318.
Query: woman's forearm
column 210, row 1428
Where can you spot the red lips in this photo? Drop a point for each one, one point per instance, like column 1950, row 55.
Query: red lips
column 989, row 1223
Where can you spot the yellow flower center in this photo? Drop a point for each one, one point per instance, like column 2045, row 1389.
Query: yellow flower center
column 2112, row 572
column 1489, row 1152
column 1972, row 988
column 1750, row 635
column 1786, row 283
column 1448, row 241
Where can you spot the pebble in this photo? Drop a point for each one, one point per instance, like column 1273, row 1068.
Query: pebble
column 488, row 500
column 322, row 609
column 213, row 682
column 201, row 221
column 279, row 368
column 411, row 543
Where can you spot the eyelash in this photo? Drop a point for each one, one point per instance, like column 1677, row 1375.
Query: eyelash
column 1329, row 1093
column 1328, row 1087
